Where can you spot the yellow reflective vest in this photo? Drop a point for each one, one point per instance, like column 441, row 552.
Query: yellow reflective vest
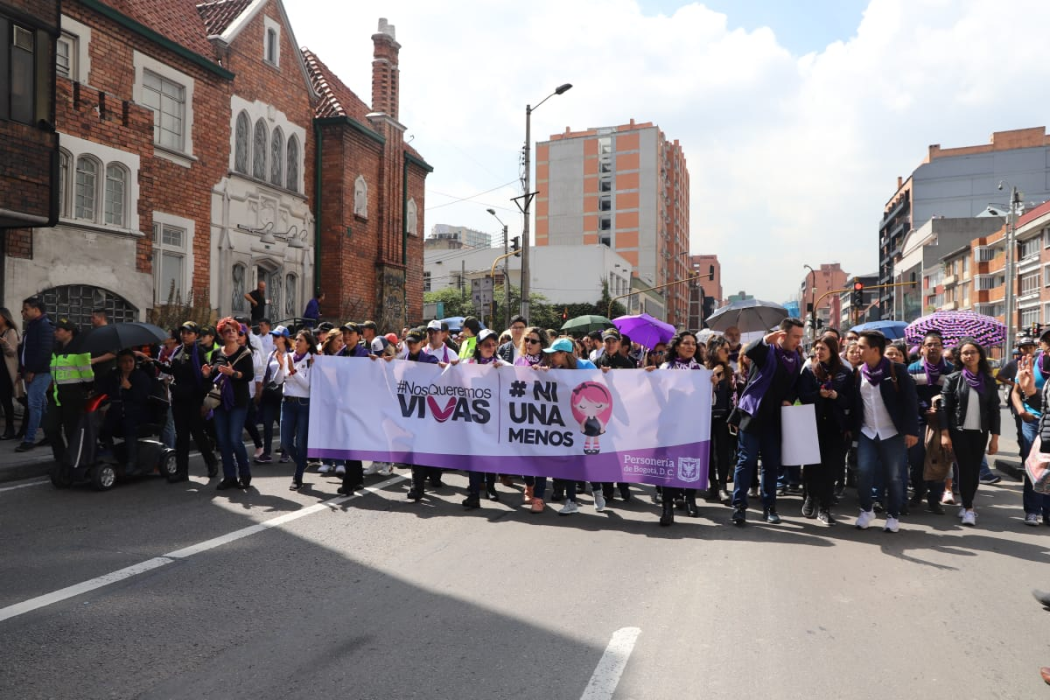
column 70, row 368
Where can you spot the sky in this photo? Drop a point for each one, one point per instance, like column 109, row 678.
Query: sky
column 795, row 118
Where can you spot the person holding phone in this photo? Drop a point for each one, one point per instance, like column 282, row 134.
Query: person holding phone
column 231, row 370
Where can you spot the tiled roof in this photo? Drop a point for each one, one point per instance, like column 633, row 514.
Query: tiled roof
column 337, row 100
column 219, row 14
column 178, row 20
column 1033, row 214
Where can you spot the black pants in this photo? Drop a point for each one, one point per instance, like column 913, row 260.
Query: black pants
column 354, row 477
column 61, row 422
column 721, row 455
column 820, row 478
column 421, row 474
column 251, row 424
column 7, row 395
column 190, row 423
column 968, row 446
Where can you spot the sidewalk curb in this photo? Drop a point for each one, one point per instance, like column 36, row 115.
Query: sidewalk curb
column 28, row 468
column 1014, row 470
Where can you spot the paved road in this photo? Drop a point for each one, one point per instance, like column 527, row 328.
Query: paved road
column 376, row 597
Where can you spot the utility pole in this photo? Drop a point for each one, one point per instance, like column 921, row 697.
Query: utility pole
column 462, row 279
column 1011, row 227
column 506, row 279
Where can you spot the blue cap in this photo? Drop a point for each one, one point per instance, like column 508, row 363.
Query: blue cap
column 563, row 344
column 281, row 332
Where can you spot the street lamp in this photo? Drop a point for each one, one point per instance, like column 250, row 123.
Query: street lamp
column 506, row 270
column 526, row 243
column 1011, row 226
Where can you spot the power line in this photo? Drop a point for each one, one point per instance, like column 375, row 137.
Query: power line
column 473, row 196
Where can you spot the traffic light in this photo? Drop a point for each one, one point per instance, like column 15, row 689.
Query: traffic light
column 857, row 300
column 515, row 247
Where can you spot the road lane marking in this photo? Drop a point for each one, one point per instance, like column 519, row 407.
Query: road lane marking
column 184, row 553
column 610, row 667
column 22, row 486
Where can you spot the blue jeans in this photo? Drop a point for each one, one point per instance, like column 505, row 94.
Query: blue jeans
column 167, row 434
column 36, row 397
column 767, row 444
column 789, row 476
column 1037, row 503
column 229, row 431
column 884, row 458
column 295, row 427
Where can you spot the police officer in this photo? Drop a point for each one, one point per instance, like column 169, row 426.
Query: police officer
column 71, row 381
column 188, row 389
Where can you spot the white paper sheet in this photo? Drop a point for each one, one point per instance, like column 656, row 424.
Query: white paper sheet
column 798, row 435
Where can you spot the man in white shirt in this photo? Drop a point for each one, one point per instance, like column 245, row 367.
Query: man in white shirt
column 885, row 421
column 599, row 346
column 436, row 345
column 264, row 341
column 510, row 351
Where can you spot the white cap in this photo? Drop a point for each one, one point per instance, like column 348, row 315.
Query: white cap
column 434, row 326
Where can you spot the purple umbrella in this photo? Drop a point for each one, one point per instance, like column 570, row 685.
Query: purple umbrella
column 644, row 329
column 956, row 325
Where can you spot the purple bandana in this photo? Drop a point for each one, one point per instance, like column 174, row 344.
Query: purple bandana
column 875, row 376
column 976, row 381
column 484, row 361
column 790, row 360
column 297, row 358
column 679, row 363
column 934, row 372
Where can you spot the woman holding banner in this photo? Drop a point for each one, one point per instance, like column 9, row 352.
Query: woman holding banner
column 414, row 342
column 828, row 384
column 681, row 353
column 530, row 354
column 721, row 458
column 294, row 372
column 484, row 354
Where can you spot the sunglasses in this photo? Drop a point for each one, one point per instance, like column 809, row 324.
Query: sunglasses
column 658, row 352
column 532, row 341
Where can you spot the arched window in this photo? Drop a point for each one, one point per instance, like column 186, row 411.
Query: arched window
column 241, row 149
column 63, row 183
column 76, row 301
column 277, row 158
column 291, row 283
column 116, row 194
column 259, row 145
column 87, row 188
column 271, row 46
column 293, row 164
column 412, row 218
column 239, row 273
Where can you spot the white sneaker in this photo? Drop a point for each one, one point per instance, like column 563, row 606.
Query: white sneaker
column 1032, row 520
column 372, row 468
column 599, row 501
column 947, row 498
column 387, row 469
column 962, row 511
column 969, row 518
column 324, row 469
column 258, row 452
column 892, row 525
column 864, row 519
column 570, row 508
column 340, row 470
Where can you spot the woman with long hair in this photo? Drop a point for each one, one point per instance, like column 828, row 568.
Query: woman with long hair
column 484, row 354
column 272, row 393
column 530, row 354
column 827, row 383
column 9, row 390
column 681, row 355
column 655, row 357
column 231, row 370
column 969, row 414
column 294, row 372
column 721, row 458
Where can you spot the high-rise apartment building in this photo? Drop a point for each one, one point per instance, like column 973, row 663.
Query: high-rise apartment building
column 705, row 294
column 453, row 237
column 626, row 187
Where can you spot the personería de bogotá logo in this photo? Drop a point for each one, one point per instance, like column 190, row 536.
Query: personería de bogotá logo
column 688, row 469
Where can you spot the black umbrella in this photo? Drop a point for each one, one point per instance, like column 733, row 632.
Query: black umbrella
column 117, row 336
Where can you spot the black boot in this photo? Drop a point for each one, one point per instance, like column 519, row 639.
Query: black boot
column 667, row 518
column 809, row 507
column 472, row 501
column 690, row 503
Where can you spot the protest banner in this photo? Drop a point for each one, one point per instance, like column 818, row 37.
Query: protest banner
column 626, row 426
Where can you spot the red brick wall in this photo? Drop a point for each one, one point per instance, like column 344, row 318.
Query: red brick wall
column 414, row 272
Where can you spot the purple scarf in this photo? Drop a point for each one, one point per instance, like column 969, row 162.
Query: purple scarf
column 790, row 360
column 751, row 399
column 934, row 372
column 875, row 376
column 679, row 363
column 976, row 381
column 528, row 360
column 484, row 361
column 297, row 358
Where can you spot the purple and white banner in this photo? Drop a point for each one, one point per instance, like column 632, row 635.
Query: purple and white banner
column 628, row 426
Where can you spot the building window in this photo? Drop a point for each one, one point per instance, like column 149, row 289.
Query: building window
column 604, row 224
column 167, row 99
column 426, row 280
column 66, row 56
column 87, row 188
column 966, row 267
column 277, row 158
column 605, row 167
column 17, row 54
column 1030, row 283
column 1029, row 249
column 271, row 46
column 116, row 194
column 1029, row 317
column 605, row 185
column 259, row 145
column 291, row 283
column 605, row 145
column 240, row 160
column 169, row 272
column 605, row 241
column 63, row 183
column 605, row 203
column 239, row 273
column 76, row 301
column 293, row 164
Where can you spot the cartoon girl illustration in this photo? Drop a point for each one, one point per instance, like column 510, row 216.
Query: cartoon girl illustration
column 591, row 407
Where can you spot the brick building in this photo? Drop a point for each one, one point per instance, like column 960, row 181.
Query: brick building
column 626, row 187
column 187, row 164
column 816, row 286
column 705, row 295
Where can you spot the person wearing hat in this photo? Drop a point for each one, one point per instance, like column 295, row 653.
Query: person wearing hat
column 207, row 342
column 352, row 346
column 375, row 343
column 353, row 471
column 188, row 389
column 272, row 392
column 414, row 342
column 611, row 359
column 436, row 345
column 485, row 346
column 71, row 382
column 470, row 331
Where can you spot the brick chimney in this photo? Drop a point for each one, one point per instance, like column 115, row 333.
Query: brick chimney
column 384, row 70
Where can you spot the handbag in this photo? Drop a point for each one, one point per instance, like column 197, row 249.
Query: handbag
column 214, row 397
column 272, row 391
column 1037, row 467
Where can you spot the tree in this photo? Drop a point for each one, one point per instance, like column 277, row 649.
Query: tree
column 456, row 302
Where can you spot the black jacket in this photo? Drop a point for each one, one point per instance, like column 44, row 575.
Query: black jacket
column 38, row 342
column 956, row 400
column 898, row 393
column 188, row 386
column 506, row 352
column 832, row 414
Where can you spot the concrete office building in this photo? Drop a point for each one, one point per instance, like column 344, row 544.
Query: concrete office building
column 962, row 182
column 446, row 237
column 625, row 187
